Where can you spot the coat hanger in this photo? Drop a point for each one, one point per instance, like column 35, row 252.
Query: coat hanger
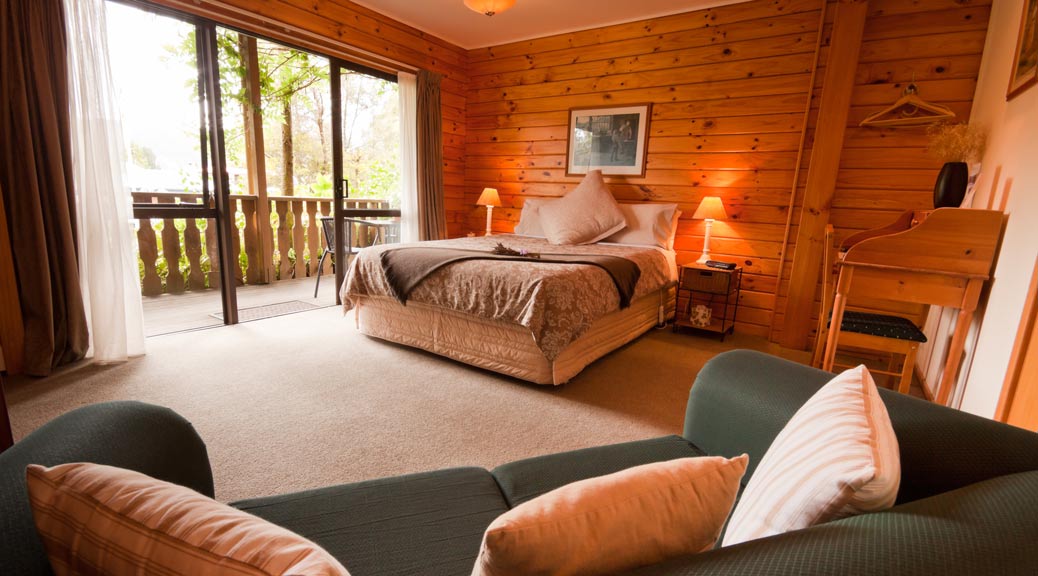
column 909, row 110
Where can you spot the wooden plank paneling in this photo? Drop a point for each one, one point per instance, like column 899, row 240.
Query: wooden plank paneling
column 729, row 88
column 885, row 171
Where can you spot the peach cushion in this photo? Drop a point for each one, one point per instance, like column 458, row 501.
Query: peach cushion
column 99, row 519
column 837, row 457
column 585, row 215
column 635, row 517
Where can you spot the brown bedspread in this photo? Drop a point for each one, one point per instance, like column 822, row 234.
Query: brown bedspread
column 406, row 268
column 556, row 302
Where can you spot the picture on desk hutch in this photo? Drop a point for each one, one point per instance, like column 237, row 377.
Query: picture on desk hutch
column 1025, row 61
column 612, row 140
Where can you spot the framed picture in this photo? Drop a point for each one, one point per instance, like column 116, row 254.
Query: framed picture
column 1025, row 61
column 608, row 139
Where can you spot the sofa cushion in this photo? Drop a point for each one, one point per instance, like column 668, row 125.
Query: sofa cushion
column 106, row 520
column 603, row 525
column 429, row 523
column 527, row 479
column 837, row 457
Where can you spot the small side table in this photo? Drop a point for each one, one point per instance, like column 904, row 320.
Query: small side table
column 715, row 288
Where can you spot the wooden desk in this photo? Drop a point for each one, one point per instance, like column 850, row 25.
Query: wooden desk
column 941, row 258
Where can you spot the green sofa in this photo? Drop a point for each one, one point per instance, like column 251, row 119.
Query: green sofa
column 968, row 502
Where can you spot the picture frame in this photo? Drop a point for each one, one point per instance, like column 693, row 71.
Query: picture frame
column 1024, row 73
column 613, row 140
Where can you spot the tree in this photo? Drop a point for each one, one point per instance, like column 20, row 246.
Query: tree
column 284, row 74
column 143, row 156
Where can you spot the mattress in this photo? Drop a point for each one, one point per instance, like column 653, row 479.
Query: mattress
column 506, row 347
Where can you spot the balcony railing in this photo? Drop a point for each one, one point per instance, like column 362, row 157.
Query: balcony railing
column 178, row 254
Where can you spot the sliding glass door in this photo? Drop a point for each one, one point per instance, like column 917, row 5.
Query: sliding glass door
column 366, row 160
column 165, row 69
column 237, row 145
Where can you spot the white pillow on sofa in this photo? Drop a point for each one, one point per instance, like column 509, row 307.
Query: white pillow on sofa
column 837, row 457
column 585, row 215
column 648, row 225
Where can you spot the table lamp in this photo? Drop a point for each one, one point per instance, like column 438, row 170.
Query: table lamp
column 710, row 209
column 489, row 198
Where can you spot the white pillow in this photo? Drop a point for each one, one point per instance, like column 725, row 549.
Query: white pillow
column 837, row 457
column 530, row 218
column 648, row 225
column 585, row 215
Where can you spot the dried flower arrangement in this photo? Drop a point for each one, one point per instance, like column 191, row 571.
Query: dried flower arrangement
column 957, row 142
column 503, row 250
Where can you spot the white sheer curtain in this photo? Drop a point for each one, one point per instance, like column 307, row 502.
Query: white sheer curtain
column 107, row 254
column 408, row 88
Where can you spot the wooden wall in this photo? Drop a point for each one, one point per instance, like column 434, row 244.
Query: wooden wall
column 347, row 30
column 729, row 87
column 884, row 171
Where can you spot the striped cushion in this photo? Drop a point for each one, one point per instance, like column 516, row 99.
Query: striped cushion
column 837, row 457
column 96, row 519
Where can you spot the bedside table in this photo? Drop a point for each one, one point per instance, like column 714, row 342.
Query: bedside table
column 714, row 288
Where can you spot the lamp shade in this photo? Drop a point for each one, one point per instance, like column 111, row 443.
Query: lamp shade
column 710, row 208
column 489, row 7
column 489, row 197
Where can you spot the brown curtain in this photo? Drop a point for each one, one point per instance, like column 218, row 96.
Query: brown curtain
column 36, row 180
column 432, row 214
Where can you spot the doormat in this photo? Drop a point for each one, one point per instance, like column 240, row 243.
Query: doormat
column 270, row 310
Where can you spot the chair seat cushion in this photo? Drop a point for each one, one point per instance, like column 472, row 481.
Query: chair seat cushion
column 882, row 325
column 430, row 523
column 527, row 479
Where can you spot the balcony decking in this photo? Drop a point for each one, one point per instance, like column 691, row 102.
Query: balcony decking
column 198, row 309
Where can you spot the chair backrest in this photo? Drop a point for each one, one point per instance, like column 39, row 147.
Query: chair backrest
column 328, row 226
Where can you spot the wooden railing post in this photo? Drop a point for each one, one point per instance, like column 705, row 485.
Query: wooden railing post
column 299, row 239
column 193, row 249
column 147, row 246
column 254, row 271
column 284, row 239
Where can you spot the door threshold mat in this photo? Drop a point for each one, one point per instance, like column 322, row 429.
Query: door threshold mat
column 270, row 310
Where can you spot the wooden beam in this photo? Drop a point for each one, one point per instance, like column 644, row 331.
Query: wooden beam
column 254, row 157
column 12, row 330
column 834, row 106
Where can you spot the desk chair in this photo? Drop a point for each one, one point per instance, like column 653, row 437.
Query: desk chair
column 386, row 232
column 889, row 334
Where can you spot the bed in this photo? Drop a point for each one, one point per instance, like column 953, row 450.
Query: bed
column 605, row 275
column 540, row 322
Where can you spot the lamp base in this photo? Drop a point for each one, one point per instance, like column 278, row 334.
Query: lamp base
column 703, row 258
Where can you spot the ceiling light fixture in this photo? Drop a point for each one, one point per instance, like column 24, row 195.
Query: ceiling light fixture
column 489, row 7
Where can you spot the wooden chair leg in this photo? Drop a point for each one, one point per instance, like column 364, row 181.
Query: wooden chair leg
column 908, row 370
column 834, row 333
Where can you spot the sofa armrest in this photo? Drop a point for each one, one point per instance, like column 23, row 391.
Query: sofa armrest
column 742, row 399
column 149, row 439
column 986, row 528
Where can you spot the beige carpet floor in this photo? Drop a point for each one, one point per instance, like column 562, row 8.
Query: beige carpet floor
column 304, row 401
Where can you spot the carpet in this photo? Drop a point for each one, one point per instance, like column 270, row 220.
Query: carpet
column 304, row 401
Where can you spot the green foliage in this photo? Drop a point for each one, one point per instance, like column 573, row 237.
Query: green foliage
column 143, row 156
